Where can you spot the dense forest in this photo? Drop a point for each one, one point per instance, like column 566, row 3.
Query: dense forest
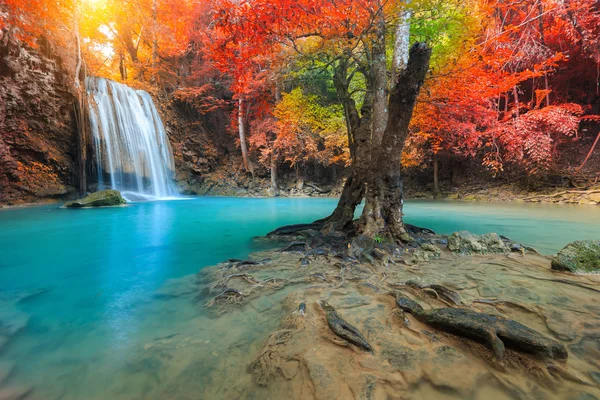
column 264, row 95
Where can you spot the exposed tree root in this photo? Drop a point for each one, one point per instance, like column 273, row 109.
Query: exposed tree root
column 343, row 329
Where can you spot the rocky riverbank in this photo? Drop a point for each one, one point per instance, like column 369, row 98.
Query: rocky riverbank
column 513, row 192
column 338, row 333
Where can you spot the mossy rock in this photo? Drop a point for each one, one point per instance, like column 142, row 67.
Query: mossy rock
column 579, row 256
column 103, row 198
column 467, row 243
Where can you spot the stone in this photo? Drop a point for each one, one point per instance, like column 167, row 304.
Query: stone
column 468, row 243
column 579, row 256
column 595, row 197
column 427, row 252
column 103, row 198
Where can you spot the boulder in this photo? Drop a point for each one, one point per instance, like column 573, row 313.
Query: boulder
column 467, row 243
column 426, row 252
column 579, row 256
column 103, row 198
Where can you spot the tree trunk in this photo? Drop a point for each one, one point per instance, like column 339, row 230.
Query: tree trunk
column 359, row 142
column 274, row 186
column 154, row 42
column 436, row 182
column 380, row 93
column 401, row 42
column 242, row 132
column 122, row 67
column 382, row 215
column 80, row 109
column 516, row 97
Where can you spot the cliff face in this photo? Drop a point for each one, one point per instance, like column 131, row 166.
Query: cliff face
column 38, row 142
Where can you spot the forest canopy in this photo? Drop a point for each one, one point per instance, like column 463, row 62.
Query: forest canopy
column 509, row 82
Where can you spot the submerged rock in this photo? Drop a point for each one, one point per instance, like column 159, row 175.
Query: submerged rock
column 103, row 198
column 468, row 243
column 579, row 256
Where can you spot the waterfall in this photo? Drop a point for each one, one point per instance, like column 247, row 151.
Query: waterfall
column 131, row 148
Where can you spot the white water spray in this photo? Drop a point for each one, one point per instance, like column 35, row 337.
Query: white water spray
column 130, row 142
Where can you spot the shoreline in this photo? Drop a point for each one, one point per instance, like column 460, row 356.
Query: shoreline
column 305, row 355
column 467, row 197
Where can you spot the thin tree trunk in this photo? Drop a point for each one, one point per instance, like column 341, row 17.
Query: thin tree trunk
column 274, row 186
column 588, row 154
column 122, row 67
column 543, row 41
column 382, row 214
column 242, row 132
column 154, row 40
column 436, row 181
column 359, row 142
column 516, row 97
column 80, row 108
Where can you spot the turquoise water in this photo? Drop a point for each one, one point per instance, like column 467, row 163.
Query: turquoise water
column 76, row 286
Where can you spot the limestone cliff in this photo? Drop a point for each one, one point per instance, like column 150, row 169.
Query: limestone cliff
column 38, row 142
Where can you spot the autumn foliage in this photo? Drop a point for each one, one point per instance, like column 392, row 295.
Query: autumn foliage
column 509, row 81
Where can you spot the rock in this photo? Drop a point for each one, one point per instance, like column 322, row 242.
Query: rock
column 467, row 243
column 426, row 252
column 594, row 197
column 103, row 198
column 579, row 256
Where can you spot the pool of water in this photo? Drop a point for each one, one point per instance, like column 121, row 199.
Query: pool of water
column 78, row 287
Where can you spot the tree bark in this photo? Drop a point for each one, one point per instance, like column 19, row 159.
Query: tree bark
column 401, row 42
column 122, row 67
column 80, row 108
column 359, row 142
column 382, row 215
column 154, row 42
column 274, row 186
column 380, row 93
column 242, row 133
column 436, row 181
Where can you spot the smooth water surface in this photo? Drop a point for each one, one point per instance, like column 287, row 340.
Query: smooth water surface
column 77, row 287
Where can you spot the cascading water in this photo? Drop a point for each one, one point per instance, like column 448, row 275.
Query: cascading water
column 130, row 143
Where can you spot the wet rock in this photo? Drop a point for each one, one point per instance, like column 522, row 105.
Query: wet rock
column 103, row 198
column 426, row 252
column 401, row 357
column 489, row 291
column 467, row 243
column 520, row 292
column 295, row 246
column 579, row 256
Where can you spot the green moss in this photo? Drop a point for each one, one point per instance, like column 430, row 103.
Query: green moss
column 579, row 256
column 103, row 198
